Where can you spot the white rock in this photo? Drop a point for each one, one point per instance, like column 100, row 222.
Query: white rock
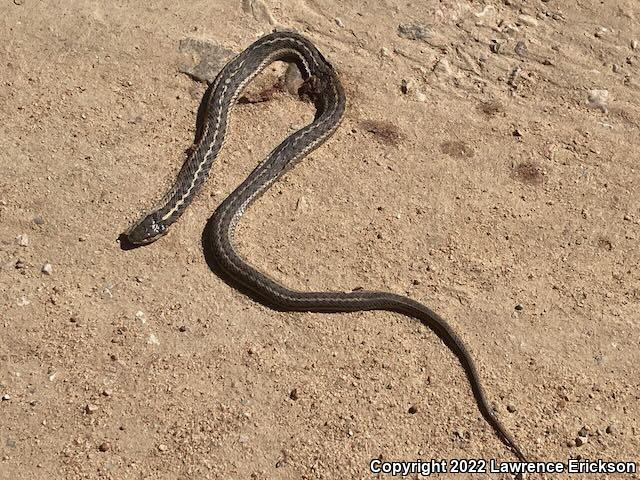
column 442, row 67
column 141, row 317
column 527, row 20
column 23, row 302
column 23, row 240
column 598, row 99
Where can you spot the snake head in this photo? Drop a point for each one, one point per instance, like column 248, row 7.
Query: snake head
column 145, row 231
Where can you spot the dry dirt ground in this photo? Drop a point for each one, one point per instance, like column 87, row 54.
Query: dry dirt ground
column 476, row 170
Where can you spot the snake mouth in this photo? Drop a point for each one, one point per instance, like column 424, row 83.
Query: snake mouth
column 125, row 243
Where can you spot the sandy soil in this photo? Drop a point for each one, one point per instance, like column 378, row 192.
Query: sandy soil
column 485, row 181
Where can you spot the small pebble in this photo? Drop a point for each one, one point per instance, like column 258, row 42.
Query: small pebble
column 527, row 20
column 442, row 67
column 38, row 220
column 293, row 395
column 153, row 340
column 413, row 31
column 23, row 302
column 413, row 409
column 47, row 269
column 405, row 86
column 634, row 44
column 23, row 240
column 183, row 328
column 521, row 48
column 6, row 397
column 601, row 32
column 611, row 429
column 141, row 317
column 107, row 392
column 302, row 204
column 104, row 447
column 511, row 408
column 339, row 22
column 571, row 443
column 584, row 432
column 90, row 408
column 519, row 307
column 581, row 441
column 385, row 52
column 162, row 447
column 598, row 99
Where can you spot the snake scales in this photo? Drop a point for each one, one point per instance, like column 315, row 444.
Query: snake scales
column 321, row 84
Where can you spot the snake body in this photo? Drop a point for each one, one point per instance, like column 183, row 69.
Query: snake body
column 321, row 84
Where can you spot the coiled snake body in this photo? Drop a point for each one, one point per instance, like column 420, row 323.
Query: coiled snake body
column 321, row 84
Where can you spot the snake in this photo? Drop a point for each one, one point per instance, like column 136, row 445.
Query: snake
column 321, row 85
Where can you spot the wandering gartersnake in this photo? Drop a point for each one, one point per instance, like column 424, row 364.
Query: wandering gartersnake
column 321, row 84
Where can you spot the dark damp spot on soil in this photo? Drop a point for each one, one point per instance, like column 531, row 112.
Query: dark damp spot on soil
column 530, row 173
column 457, row 149
column 384, row 132
column 491, row 108
column 265, row 95
column 605, row 244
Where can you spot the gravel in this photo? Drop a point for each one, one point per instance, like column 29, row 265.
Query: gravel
column 23, row 240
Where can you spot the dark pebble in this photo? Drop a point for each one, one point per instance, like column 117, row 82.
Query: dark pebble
column 413, row 409
column 413, row 31
column 521, row 48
